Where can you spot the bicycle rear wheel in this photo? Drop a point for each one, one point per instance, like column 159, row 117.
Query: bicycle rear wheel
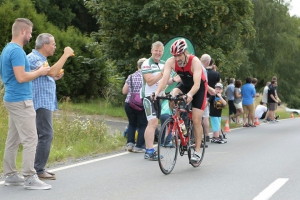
column 192, row 147
column 167, row 147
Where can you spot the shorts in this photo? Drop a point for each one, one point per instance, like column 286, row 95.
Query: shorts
column 232, row 109
column 249, row 109
column 215, row 123
column 199, row 99
column 238, row 105
column 152, row 109
column 272, row 106
column 206, row 110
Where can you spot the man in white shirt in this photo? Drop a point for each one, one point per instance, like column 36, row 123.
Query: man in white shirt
column 261, row 111
column 265, row 93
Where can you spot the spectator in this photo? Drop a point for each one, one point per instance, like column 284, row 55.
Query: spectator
column 213, row 78
column 230, row 96
column 248, row 92
column 136, row 118
column 273, row 100
column 16, row 77
column 254, row 83
column 44, row 98
column 217, row 102
column 265, row 94
column 274, row 78
column 261, row 111
column 238, row 100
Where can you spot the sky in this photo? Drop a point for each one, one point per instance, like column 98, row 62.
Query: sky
column 295, row 10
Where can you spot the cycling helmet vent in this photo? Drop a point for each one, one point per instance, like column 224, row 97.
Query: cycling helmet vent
column 178, row 47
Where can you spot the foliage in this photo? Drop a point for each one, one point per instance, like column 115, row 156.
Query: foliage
column 84, row 73
column 128, row 27
column 72, row 12
column 275, row 48
column 112, row 93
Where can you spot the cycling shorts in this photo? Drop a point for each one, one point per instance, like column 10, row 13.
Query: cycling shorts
column 199, row 99
column 152, row 109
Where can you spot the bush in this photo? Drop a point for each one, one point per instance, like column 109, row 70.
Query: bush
column 84, row 73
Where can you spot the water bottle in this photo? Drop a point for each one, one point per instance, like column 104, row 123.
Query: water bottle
column 182, row 126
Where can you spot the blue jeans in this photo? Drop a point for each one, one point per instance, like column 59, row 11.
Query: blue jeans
column 137, row 119
column 45, row 136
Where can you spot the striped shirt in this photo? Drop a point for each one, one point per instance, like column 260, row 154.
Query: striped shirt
column 137, row 82
column 43, row 87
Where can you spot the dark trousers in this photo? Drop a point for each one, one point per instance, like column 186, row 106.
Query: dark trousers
column 263, row 115
column 232, row 109
column 137, row 119
column 45, row 136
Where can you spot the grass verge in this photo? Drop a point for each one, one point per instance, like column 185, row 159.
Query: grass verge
column 73, row 137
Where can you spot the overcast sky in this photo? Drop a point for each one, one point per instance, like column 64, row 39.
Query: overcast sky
column 295, row 8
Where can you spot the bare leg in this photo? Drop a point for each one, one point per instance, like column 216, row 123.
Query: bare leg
column 149, row 133
column 197, row 119
column 206, row 125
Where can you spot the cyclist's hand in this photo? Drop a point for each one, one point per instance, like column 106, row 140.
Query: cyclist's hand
column 177, row 79
column 154, row 96
column 188, row 99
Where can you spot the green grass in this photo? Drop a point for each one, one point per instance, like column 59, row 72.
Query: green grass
column 94, row 107
column 73, row 137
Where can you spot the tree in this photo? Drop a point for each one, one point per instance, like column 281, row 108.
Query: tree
column 67, row 13
column 275, row 48
column 128, row 27
column 85, row 73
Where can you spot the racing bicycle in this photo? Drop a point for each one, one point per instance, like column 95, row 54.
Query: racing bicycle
column 172, row 140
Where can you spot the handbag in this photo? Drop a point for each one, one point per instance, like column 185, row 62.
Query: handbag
column 135, row 100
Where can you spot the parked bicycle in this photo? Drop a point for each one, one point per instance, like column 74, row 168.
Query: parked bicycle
column 172, row 139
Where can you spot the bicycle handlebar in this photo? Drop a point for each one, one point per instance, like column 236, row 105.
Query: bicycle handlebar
column 179, row 97
column 176, row 98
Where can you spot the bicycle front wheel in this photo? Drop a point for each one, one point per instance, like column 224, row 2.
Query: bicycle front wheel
column 167, row 146
column 192, row 147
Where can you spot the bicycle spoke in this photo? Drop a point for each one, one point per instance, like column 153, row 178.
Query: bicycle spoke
column 167, row 147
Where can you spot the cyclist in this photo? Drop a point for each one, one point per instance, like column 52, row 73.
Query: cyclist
column 193, row 83
column 152, row 70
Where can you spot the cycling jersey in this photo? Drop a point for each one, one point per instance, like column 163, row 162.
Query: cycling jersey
column 187, row 82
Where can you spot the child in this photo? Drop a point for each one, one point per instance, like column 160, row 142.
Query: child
column 217, row 102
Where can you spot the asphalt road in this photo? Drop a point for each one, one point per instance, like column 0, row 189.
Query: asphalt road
column 256, row 163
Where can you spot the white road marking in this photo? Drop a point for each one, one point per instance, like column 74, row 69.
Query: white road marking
column 83, row 163
column 271, row 189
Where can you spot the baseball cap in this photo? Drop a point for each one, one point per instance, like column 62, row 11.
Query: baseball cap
column 219, row 85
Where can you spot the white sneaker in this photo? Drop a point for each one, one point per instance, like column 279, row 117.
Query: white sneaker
column 196, row 157
column 34, row 183
column 14, row 179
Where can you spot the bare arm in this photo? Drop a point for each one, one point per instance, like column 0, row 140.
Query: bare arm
column 54, row 70
column 23, row 76
column 237, row 94
column 125, row 88
column 151, row 80
column 166, row 76
column 211, row 90
column 57, row 77
column 272, row 97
